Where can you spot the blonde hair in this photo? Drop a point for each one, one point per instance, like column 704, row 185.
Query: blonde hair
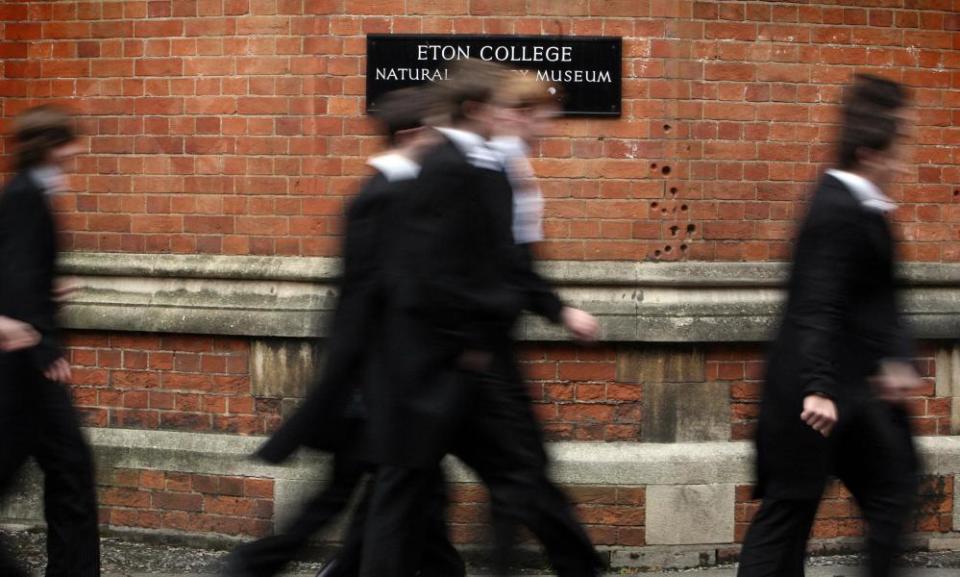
column 471, row 80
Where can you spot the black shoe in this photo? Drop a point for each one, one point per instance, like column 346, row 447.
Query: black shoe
column 330, row 569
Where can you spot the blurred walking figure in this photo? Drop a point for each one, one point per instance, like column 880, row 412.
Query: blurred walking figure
column 37, row 417
column 334, row 415
column 449, row 381
column 839, row 370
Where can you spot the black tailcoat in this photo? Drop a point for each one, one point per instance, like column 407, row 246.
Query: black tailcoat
column 28, row 258
column 841, row 319
column 333, row 411
column 452, row 274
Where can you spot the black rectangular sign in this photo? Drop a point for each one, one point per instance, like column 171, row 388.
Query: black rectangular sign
column 587, row 68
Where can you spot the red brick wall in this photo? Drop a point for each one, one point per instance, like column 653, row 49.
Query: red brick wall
column 838, row 516
column 202, row 383
column 742, row 368
column 236, row 126
column 194, row 383
column 614, row 516
column 163, row 500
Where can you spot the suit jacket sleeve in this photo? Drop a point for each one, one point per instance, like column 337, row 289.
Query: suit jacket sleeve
column 25, row 269
column 541, row 299
column 824, row 284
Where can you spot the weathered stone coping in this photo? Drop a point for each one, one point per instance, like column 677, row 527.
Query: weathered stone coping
column 292, row 297
column 574, row 463
column 565, row 273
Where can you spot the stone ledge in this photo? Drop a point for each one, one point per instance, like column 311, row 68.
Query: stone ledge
column 293, row 297
column 575, row 463
column 327, row 269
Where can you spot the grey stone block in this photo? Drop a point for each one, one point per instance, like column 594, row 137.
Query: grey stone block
column 290, row 497
column 23, row 501
column 956, row 503
column 948, row 543
column 690, row 514
column 663, row 558
column 658, row 364
column 283, row 368
column 686, row 412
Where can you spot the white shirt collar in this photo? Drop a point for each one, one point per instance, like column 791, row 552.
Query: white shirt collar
column 510, row 145
column 869, row 194
column 465, row 140
column 474, row 147
column 395, row 166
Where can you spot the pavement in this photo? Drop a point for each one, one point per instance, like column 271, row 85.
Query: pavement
column 812, row 572
column 128, row 558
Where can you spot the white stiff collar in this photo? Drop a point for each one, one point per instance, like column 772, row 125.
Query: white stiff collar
column 868, row 193
column 474, row 147
column 395, row 166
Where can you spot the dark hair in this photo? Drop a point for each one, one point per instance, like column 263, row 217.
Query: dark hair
column 870, row 119
column 404, row 109
column 471, row 81
column 39, row 130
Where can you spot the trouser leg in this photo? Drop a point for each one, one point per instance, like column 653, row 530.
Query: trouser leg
column 879, row 466
column 775, row 545
column 69, row 497
column 393, row 536
column 268, row 556
column 18, row 428
column 505, row 447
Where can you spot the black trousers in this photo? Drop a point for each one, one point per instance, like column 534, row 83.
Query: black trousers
column 875, row 459
column 501, row 441
column 37, row 419
column 437, row 558
column 268, row 556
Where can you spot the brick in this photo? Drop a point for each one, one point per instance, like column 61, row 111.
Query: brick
column 178, row 502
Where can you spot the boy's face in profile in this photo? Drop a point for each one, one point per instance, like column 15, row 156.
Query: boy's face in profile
column 526, row 122
column 61, row 156
column 888, row 165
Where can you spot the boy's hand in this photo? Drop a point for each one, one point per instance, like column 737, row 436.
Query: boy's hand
column 59, row 371
column 63, row 288
column 820, row 413
column 896, row 381
column 16, row 335
column 582, row 325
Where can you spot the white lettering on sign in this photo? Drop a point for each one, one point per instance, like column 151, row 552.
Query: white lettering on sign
column 575, row 76
column 527, row 53
column 424, row 74
column 445, row 52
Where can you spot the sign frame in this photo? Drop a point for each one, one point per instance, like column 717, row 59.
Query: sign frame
column 612, row 105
